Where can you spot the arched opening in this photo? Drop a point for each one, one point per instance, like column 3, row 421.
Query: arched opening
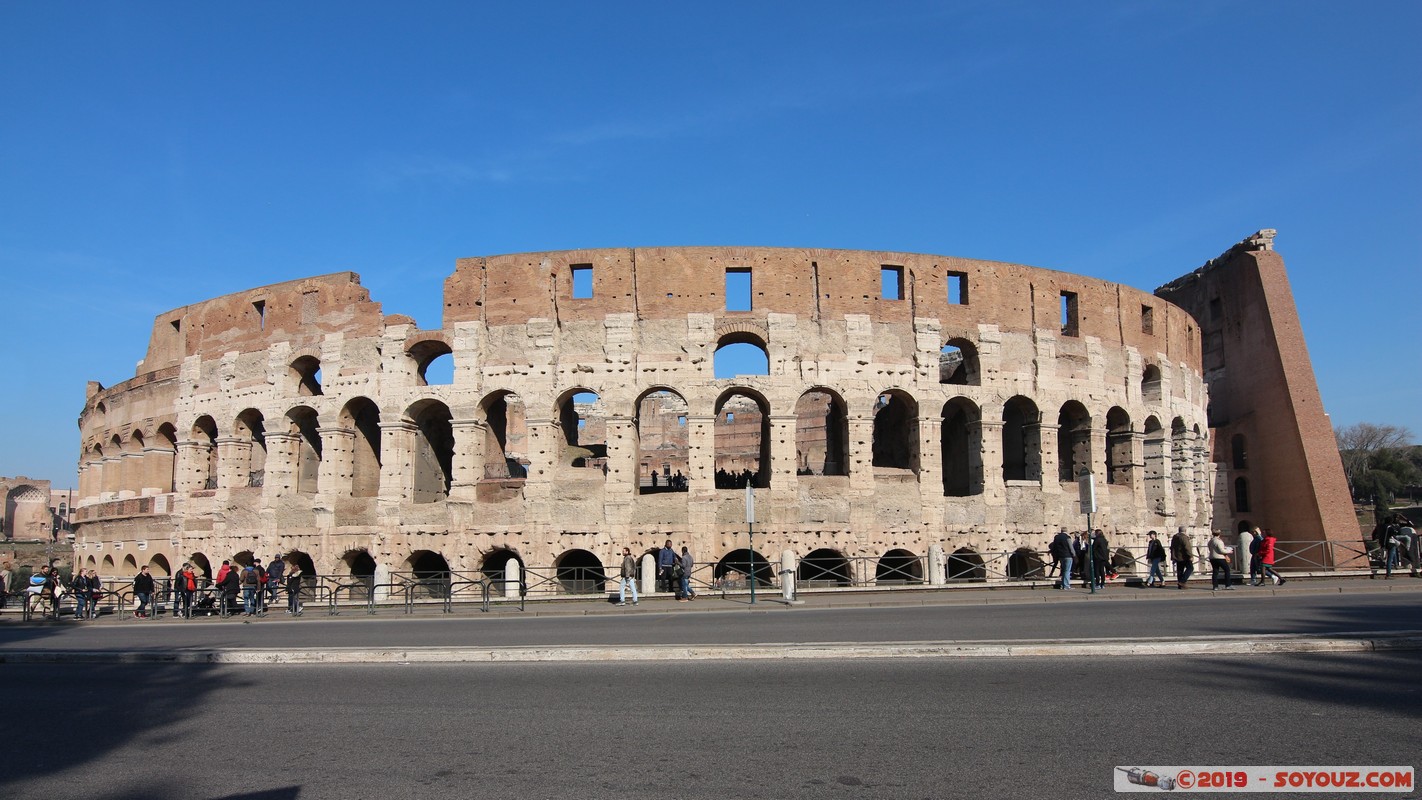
column 964, row 564
column 201, row 566
column 583, row 423
column 1025, row 563
column 662, row 449
column 360, row 565
column 133, row 478
column 108, row 566
column 824, row 568
column 742, row 437
column 898, row 567
column 362, row 417
column 580, row 572
column 1021, row 440
column 1243, row 526
column 496, row 568
column 306, row 375
column 506, row 434
column 130, row 564
column 1150, row 384
column 821, row 434
column 429, row 572
column 158, row 566
column 1120, row 439
column 1239, row 452
column 740, row 354
column 303, row 424
column 1122, row 562
column 434, row 362
column 958, row 363
column 895, row 444
column 204, row 432
column 251, row 427
column 434, row 450
column 961, row 447
column 243, row 558
column 734, row 569
column 166, row 470
column 1073, row 442
column 1241, row 495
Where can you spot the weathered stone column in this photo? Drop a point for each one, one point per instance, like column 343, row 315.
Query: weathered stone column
column 861, row 452
column 397, row 461
column 337, row 462
column 113, row 475
column 130, row 474
column 469, row 435
column 283, row 450
column 1047, row 436
column 930, row 471
column 158, row 469
column 621, row 458
column 1160, row 496
column 985, row 473
column 193, row 458
column 1097, row 461
column 233, row 458
column 783, row 480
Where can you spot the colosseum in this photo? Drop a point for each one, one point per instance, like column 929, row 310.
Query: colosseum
column 902, row 418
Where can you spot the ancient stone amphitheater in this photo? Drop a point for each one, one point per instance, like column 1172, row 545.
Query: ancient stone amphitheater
column 902, row 418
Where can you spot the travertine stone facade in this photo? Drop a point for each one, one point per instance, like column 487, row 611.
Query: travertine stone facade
column 914, row 406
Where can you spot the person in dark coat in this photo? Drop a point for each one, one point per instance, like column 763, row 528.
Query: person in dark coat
column 142, row 591
column 1062, row 543
column 1100, row 557
column 1181, row 556
column 1155, row 557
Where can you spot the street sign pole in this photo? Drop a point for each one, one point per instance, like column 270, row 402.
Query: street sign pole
column 750, row 535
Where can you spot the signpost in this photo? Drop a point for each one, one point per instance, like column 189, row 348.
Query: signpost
column 1086, row 492
column 750, row 535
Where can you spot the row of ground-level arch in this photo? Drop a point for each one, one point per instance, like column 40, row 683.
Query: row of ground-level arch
column 241, row 453
column 580, row 571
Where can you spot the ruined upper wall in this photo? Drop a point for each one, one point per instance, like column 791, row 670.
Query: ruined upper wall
column 671, row 282
column 300, row 311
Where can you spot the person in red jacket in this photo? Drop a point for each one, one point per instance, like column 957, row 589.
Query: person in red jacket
column 1266, row 558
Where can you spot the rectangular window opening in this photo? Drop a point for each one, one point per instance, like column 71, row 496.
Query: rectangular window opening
column 582, row 281
column 261, row 308
column 958, row 288
column 1216, row 309
column 891, row 282
column 1148, row 320
column 1071, row 321
column 738, row 289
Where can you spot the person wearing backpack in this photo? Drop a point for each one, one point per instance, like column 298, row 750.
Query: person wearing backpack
column 276, row 570
column 261, row 586
column 251, row 584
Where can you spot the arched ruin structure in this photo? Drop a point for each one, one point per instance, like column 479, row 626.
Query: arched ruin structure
column 912, row 404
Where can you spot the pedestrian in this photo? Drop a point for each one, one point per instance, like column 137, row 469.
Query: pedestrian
column 251, row 585
column 1256, row 563
column 1155, row 557
column 1100, row 556
column 96, row 593
column 1401, row 544
column 666, row 562
column 276, row 571
column 1055, row 552
column 142, row 591
column 1181, row 557
column 80, row 587
column 293, row 590
column 7, row 577
column 686, row 564
column 261, row 599
column 228, row 586
column 1078, row 550
column 1219, row 562
column 185, row 585
column 628, row 578
column 41, row 590
column 1063, row 544
column 1267, row 554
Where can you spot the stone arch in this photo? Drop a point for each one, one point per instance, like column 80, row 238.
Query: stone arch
column 204, row 432
column 742, row 439
column 429, row 572
column 824, row 567
column 362, row 417
column 166, row 470
column 27, row 513
column 1123, row 562
column 159, row 567
column 1120, row 440
column 433, row 454
column 130, row 564
column 495, row 567
column 737, row 565
column 582, row 425
column 250, row 426
column 663, row 450
column 427, row 348
column 1026, row 563
column 202, row 565
column 304, row 374
column 304, row 423
column 1021, row 440
column 580, row 572
column 1244, row 525
column 243, row 558
column 1150, row 384
column 895, row 444
column 360, row 567
column 108, row 566
column 960, row 438
column 958, row 363
column 965, row 564
column 1073, row 441
column 740, row 350
column 898, row 567
column 821, row 433
column 506, row 434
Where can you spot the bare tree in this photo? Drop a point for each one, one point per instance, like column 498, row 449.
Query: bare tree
column 1361, row 444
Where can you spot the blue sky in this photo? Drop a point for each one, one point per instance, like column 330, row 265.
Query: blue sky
column 157, row 154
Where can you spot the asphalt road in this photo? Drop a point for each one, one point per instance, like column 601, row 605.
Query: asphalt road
column 1165, row 615
column 944, row 728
